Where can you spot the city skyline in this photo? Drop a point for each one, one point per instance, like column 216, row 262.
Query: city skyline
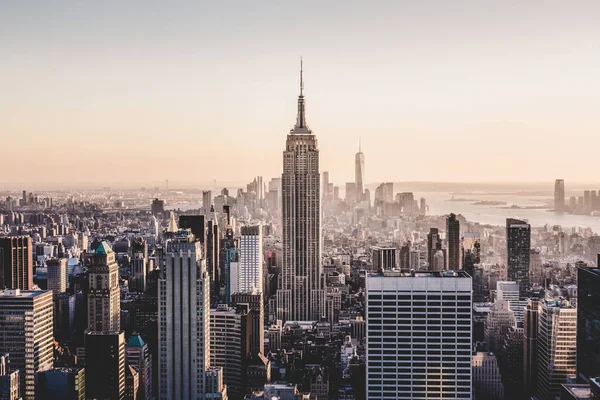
column 204, row 74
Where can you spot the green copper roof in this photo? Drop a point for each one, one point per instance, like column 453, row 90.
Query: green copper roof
column 103, row 248
column 135, row 341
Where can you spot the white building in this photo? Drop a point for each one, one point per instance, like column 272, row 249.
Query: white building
column 250, row 269
column 506, row 290
column 184, row 320
column 498, row 322
column 26, row 333
column 419, row 335
column 487, row 381
column 557, row 346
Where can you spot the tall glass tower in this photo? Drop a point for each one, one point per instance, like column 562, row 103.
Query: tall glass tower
column 359, row 173
column 300, row 295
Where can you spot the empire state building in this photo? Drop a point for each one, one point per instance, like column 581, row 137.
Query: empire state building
column 300, row 293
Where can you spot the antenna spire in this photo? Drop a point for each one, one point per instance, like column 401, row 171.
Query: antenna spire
column 301, row 81
column 359, row 145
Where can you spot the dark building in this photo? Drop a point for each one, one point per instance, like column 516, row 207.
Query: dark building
column 16, row 263
column 64, row 316
column 434, row 243
column 453, row 238
column 60, row 383
column 256, row 304
column 530, row 333
column 229, row 254
column 405, row 257
column 518, row 250
column 588, row 323
column 105, row 365
column 384, row 258
column 196, row 223
column 158, row 206
column 139, row 265
column 212, row 253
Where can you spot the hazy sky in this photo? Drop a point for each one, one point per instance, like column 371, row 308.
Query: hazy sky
column 193, row 91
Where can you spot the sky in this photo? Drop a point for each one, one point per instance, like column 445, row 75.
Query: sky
column 143, row 91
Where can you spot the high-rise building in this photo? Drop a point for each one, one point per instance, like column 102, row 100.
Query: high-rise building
column 325, row 187
column 498, row 322
column 158, row 206
column 453, row 239
column 57, row 275
column 588, row 323
column 471, row 251
column 300, row 295
column 60, row 383
column 559, row 195
column 509, row 291
column 9, row 380
column 487, row 380
column 104, row 309
column 206, row 201
column 212, row 246
column 16, row 263
column 359, row 172
column 250, row 270
column 434, row 244
column 138, row 355
column 351, row 192
column 196, row 223
column 384, row 258
column 230, row 263
column 183, row 320
column 105, row 365
column 419, row 335
column 557, row 342
column 230, row 331
column 26, row 324
column 139, row 265
column 255, row 301
column 530, row 332
column 518, row 250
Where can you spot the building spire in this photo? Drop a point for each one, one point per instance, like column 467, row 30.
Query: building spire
column 301, row 118
column 359, row 145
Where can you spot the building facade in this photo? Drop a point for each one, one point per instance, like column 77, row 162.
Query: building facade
column 453, row 239
column 250, row 268
column 105, row 365
column 16, row 263
column 518, row 249
column 104, row 301
column 588, row 323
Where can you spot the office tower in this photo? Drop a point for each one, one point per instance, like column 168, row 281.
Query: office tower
column 471, row 251
column 487, row 381
column 57, row 275
column 230, row 331
column 230, row 263
column 206, row 201
column 26, row 325
column 434, row 244
column 196, row 223
column 9, row 380
column 105, row 365
column 139, row 265
column 138, row 355
column 557, row 342
column 588, row 323
column 351, row 192
column 60, row 383
column 530, row 332
column 518, row 248
column 510, row 291
column 325, row 187
column 183, row 319
column 212, row 246
column 158, row 207
column 453, row 238
column 255, row 301
column 250, row 270
column 384, row 258
column 16, row 263
column 559, row 195
column 104, row 309
column 300, row 295
column 419, row 335
column 132, row 383
column 499, row 320
column 215, row 388
column 405, row 259
column 359, row 172
column 64, row 316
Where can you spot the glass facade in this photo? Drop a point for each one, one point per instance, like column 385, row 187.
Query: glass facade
column 588, row 323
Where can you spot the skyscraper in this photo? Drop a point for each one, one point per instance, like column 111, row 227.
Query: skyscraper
column 104, row 308
column 419, row 335
column 206, row 201
column 183, row 320
column 530, row 332
column 139, row 265
column 105, row 365
column 509, row 291
column 16, row 263
column 60, row 383
column 518, row 249
column 57, row 275
column 300, row 295
column 359, row 172
column 384, row 258
column 559, row 195
column 588, row 323
column 557, row 342
column 255, row 301
column 137, row 355
column 250, row 269
column 471, row 251
column 453, row 238
column 434, row 244
column 26, row 334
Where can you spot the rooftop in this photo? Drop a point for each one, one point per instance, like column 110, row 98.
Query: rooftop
column 22, row 293
column 421, row 274
column 579, row 391
column 103, row 248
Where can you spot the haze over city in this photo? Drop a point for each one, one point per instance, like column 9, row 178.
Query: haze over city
column 138, row 92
